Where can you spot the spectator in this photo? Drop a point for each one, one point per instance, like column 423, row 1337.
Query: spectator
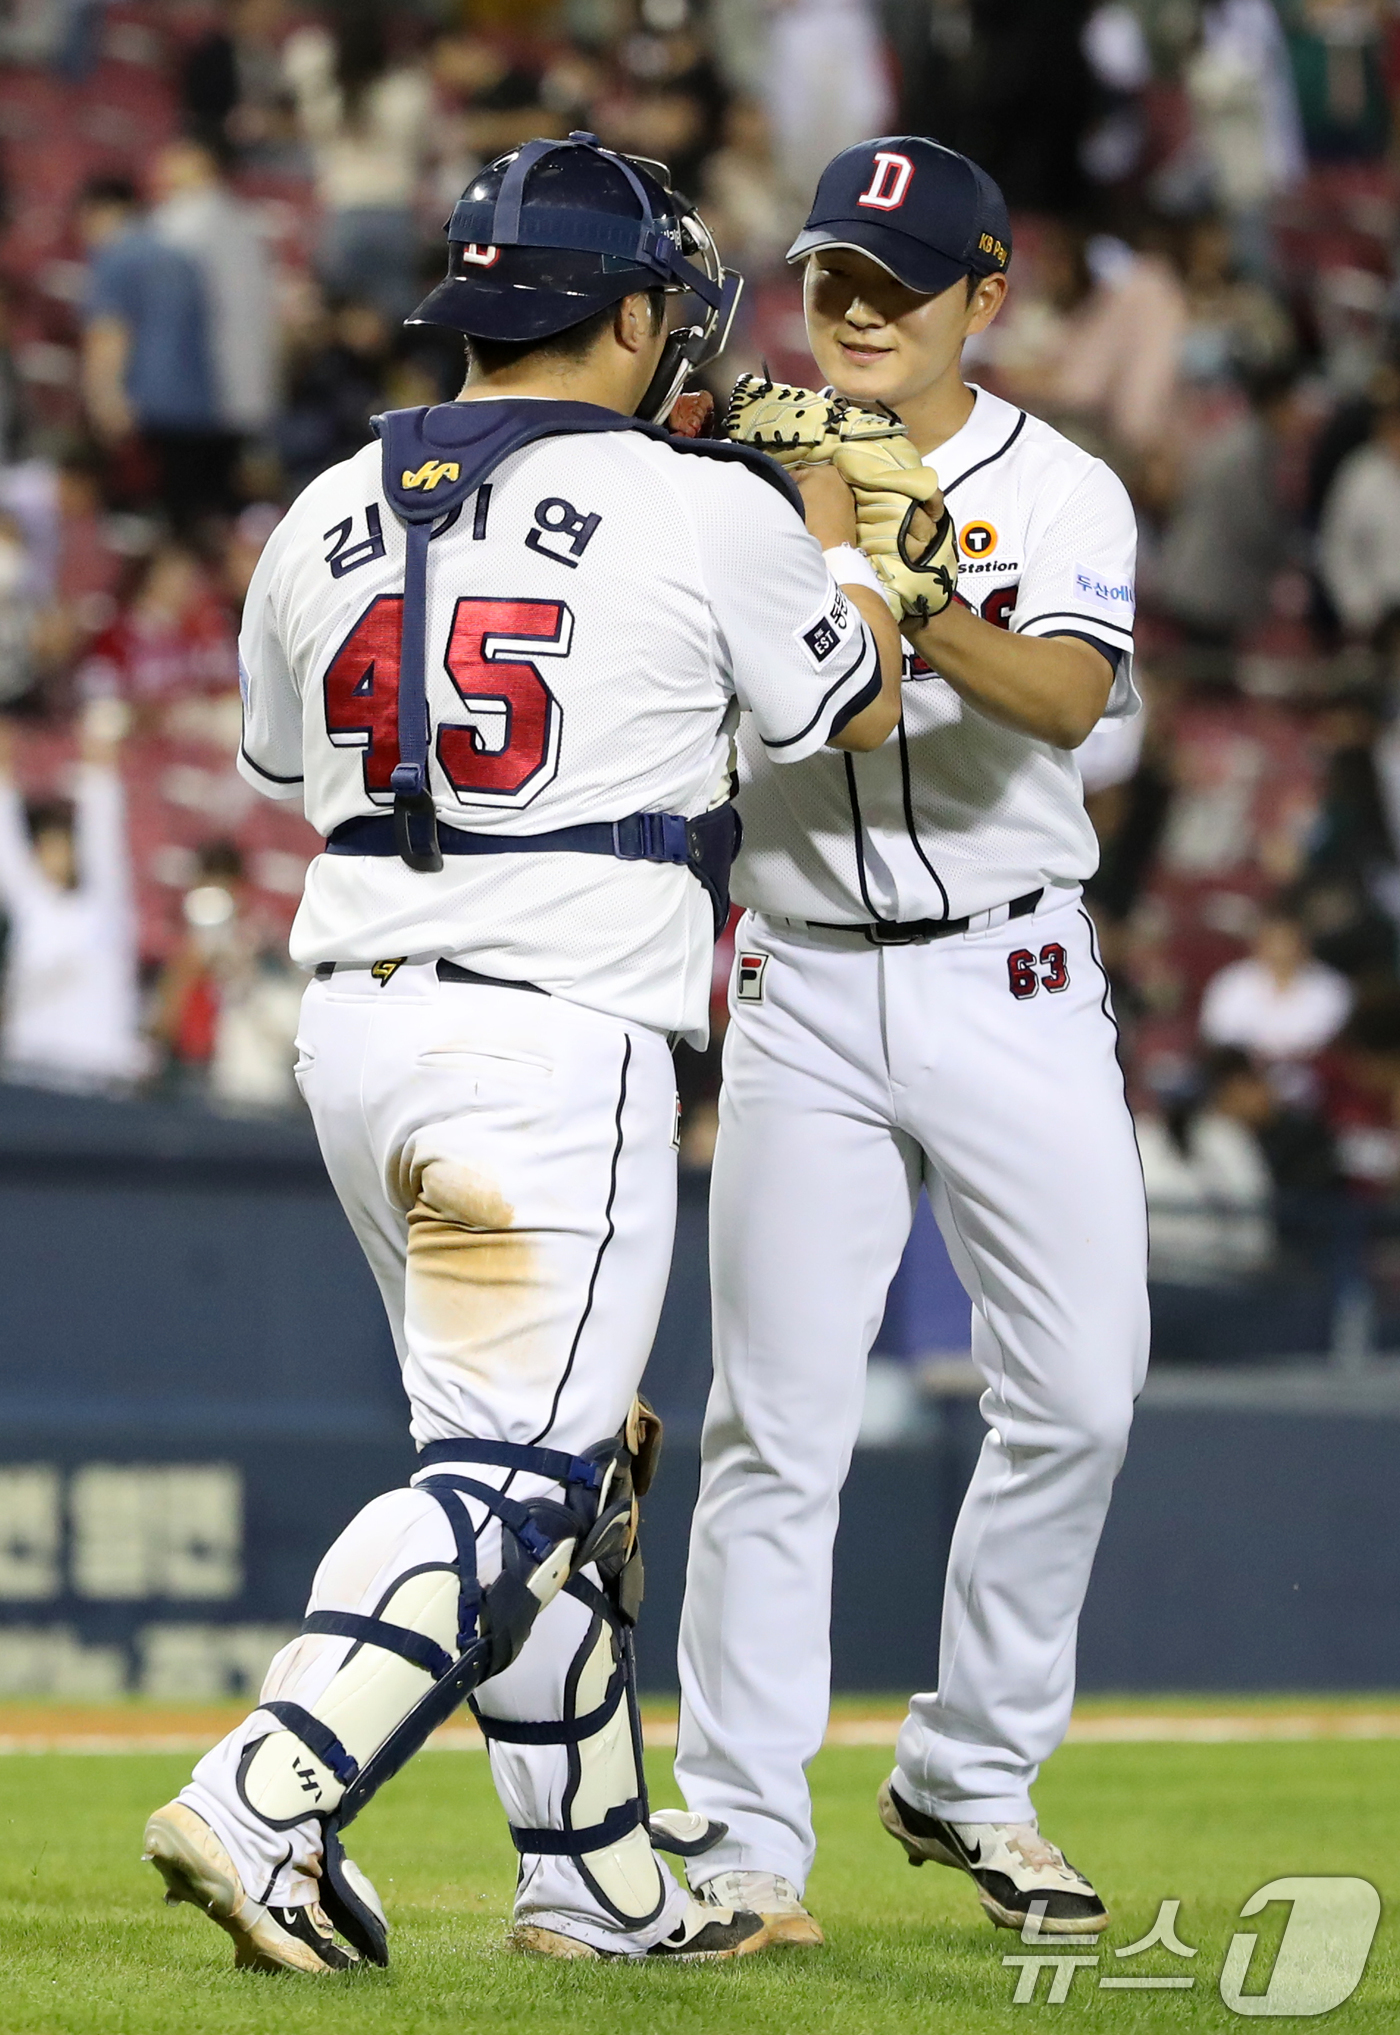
column 1359, row 540
column 232, row 91
column 1336, row 47
column 666, row 98
column 1247, row 122
column 497, row 100
column 337, row 378
column 170, row 640
column 147, row 367
column 90, row 560
column 1231, row 533
column 827, row 85
column 1115, row 46
column 1360, row 1081
column 221, row 235
column 228, row 1002
column 16, row 421
column 244, row 549
column 1108, row 351
column 1231, row 319
column 1209, row 1190
column 70, row 1016
column 1006, row 82
column 18, row 614
column 1346, row 427
column 753, row 219
column 1279, row 1003
column 1349, row 891
column 1353, row 837
column 72, row 569
column 255, row 1037
column 367, row 121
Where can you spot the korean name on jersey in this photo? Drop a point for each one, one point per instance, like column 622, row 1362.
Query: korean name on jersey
column 598, row 614
column 958, row 813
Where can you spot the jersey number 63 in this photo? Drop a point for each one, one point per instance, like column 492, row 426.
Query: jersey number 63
column 505, row 747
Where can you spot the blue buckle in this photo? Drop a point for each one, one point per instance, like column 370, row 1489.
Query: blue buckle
column 651, row 837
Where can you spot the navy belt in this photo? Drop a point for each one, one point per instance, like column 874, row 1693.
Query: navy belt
column 641, row 837
column 705, row 845
column 912, row 932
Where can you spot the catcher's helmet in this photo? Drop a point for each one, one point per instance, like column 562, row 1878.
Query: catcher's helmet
column 555, row 231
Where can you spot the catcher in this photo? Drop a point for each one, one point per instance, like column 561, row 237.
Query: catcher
column 918, row 1003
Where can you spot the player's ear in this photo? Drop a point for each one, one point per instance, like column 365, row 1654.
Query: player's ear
column 987, row 300
column 632, row 322
column 639, row 319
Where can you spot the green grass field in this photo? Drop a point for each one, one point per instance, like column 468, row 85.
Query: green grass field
column 87, row 1949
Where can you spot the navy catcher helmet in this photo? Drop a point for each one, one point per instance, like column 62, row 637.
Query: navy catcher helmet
column 555, row 231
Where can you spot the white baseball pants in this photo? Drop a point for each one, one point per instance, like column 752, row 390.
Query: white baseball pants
column 983, row 1065
column 507, row 1162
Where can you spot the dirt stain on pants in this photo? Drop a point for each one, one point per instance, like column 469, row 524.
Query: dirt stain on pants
column 474, row 1288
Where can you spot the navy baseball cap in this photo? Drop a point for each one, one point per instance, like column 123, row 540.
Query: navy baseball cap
column 924, row 212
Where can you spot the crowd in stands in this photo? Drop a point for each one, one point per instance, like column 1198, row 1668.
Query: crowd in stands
column 215, row 218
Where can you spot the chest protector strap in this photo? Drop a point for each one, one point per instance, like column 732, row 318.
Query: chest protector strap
column 433, row 461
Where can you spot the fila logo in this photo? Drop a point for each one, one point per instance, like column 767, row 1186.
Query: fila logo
column 748, row 978
column 893, row 174
column 481, row 257
column 430, row 473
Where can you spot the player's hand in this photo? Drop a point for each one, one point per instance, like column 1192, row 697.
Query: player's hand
column 903, row 527
column 692, row 415
column 798, row 427
column 828, row 504
column 924, row 522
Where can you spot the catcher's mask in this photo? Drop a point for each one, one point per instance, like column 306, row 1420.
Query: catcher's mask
column 555, row 231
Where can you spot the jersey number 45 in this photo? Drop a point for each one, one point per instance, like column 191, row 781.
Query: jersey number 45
column 505, row 747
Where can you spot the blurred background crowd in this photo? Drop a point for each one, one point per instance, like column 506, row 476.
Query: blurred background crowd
column 213, row 219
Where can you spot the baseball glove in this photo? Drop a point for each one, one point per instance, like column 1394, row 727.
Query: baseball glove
column 918, row 583
column 797, row 427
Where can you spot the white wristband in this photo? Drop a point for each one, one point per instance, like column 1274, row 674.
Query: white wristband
column 850, row 567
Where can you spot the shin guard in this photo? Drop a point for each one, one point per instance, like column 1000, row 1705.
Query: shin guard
column 433, row 1637
column 603, row 1827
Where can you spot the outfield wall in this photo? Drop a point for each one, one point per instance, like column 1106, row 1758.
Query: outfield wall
column 197, row 1389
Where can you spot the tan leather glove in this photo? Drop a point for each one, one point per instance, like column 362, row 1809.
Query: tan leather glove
column 890, row 483
column 798, row 427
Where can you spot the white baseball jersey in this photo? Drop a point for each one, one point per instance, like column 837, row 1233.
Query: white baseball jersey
column 957, row 813
column 597, row 615
column 982, row 1066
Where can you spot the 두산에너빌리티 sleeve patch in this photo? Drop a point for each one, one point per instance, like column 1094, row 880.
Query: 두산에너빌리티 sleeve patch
column 822, row 637
column 1111, row 597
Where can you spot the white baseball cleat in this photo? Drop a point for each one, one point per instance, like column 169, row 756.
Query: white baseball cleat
column 1011, row 1865
column 703, row 1934
column 767, row 1894
column 196, row 1868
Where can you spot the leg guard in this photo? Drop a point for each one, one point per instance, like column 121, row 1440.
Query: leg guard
column 602, row 1826
column 434, row 1636
column 603, row 1815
